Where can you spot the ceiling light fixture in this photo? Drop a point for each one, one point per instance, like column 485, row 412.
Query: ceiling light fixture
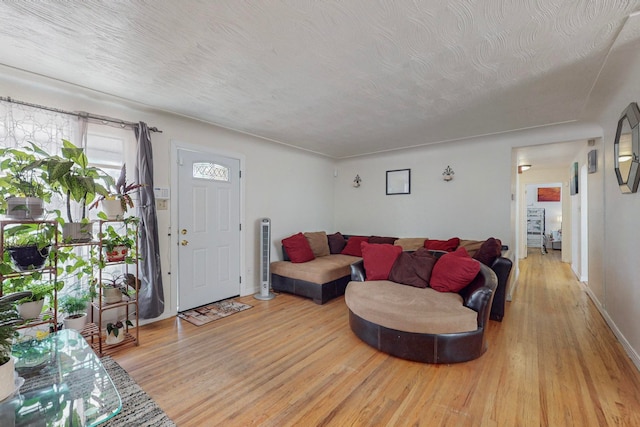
column 624, row 158
column 522, row 168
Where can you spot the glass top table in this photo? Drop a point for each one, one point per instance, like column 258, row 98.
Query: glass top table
column 65, row 384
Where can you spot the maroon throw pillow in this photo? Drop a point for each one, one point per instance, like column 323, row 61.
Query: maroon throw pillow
column 489, row 251
column 442, row 245
column 298, row 248
column 413, row 269
column 382, row 240
column 337, row 242
column 454, row 271
column 353, row 245
column 378, row 259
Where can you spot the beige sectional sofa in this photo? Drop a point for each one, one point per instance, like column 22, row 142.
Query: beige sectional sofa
column 326, row 277
column 321, row 279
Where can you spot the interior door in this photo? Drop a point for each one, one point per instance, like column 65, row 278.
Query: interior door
column 209, row 228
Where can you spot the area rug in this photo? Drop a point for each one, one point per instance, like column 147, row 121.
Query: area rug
column 138, row 408
column 208, row 313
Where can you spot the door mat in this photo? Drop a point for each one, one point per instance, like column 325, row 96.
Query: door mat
column 208, row 313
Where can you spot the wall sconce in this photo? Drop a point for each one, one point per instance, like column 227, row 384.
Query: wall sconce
column 448, row 174
column 357, row 181
column 522, row 168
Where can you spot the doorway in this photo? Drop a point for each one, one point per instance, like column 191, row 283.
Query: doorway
column 208, row 226
column 544, row 216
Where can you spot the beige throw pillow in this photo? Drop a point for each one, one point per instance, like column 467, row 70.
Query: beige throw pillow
column 410, row 243
column 318, row 242
column 472, row 246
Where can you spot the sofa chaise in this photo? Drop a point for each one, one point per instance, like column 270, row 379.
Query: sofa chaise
column 421, row 324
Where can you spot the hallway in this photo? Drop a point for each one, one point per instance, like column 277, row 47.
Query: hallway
column 579, row 372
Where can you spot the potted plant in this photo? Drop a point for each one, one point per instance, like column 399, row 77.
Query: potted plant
column 113, row 289
column 71, row 176
column 30, row 308
column 119, row 200
column 75, row 307
column 8, row 320
column 23, row 187
column 117, row 242
column 116, row 331
column 28, row 245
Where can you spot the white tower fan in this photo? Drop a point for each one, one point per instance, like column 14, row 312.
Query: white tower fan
column 265, row 260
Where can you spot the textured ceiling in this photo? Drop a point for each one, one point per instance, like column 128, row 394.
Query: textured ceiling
column 341, row 78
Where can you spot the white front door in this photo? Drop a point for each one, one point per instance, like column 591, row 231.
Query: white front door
column 209, row 228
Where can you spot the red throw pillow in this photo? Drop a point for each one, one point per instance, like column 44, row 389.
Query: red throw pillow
column 413, row 268
column 353, row 246
column 378, row 259
column 489, row 251
column 442, row 245
column 454, row 271
column 298, row 248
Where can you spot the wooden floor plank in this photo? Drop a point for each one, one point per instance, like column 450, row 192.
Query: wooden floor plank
column 553, row 361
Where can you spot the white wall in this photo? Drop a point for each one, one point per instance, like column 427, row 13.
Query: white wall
column 435, row 208
column 476, row 204
column 292, row 187
column 618, row 233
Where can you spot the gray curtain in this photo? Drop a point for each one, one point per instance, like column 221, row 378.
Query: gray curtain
column 151, row 294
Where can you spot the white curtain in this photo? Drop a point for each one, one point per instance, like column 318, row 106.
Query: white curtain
column 20, row 124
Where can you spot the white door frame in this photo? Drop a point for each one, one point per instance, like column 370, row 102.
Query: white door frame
column 173, row 225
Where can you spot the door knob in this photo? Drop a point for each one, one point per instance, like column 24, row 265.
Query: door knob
column 184, row 231
column 184, row 242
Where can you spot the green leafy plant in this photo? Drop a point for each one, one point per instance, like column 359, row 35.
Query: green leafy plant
column 23, row 175
column 74, row 305
column 38, row 286
column 40, row 236
column 29, row 234
column 120, row 190
column 125, row 282
column 111, row 238
column 73, row 177
column 114, row 328
column 9, row 318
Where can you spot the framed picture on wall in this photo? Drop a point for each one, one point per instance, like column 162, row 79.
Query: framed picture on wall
column 399, row 181
column 573, row 181
column 592, row 161
column 548, row 194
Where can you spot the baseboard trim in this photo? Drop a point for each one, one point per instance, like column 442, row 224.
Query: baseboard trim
column 633, row 355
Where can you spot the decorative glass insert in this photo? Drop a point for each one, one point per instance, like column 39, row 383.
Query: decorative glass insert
column 211, row 171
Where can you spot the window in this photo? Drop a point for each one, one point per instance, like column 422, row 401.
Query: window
column 211, row 171
column 107, row 148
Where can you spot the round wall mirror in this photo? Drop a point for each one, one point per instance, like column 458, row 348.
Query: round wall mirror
column 626, row 149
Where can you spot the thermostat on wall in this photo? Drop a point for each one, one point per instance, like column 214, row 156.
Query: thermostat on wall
column 161, row 192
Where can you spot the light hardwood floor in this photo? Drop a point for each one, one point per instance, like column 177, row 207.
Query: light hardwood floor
column 553, row 361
